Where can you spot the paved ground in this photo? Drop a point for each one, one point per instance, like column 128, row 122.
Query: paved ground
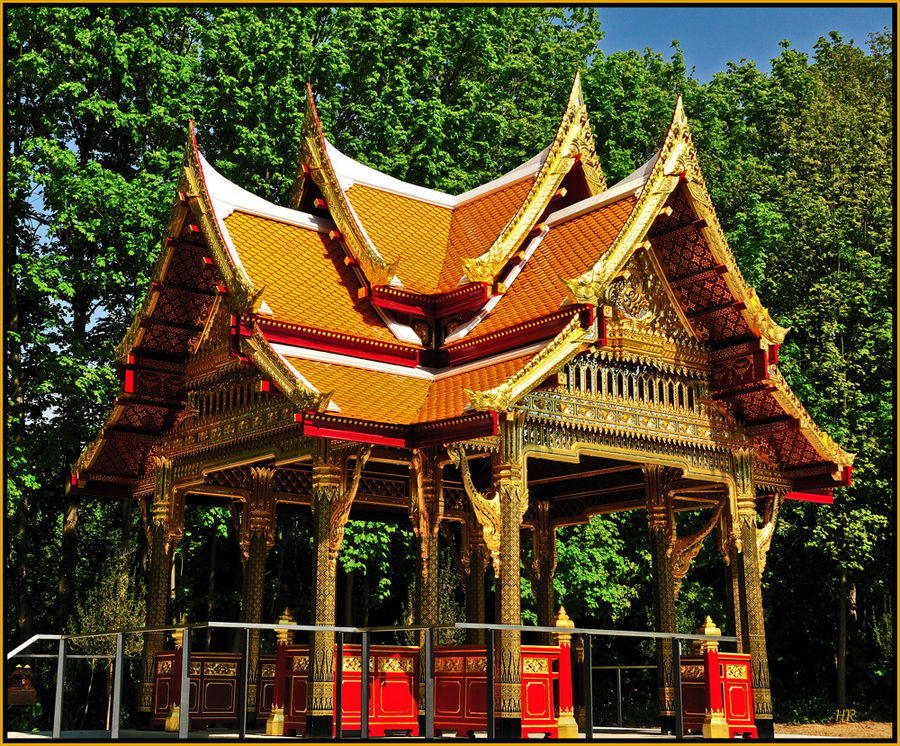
column 852, row 731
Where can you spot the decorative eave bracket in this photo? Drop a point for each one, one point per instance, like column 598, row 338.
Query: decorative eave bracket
column 575, row 337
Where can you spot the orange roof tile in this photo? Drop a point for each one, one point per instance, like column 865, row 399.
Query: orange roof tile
column 568, row 250
column 406, row 230
column 371, row 395
column 304, row 280
column 379, row 396
column 446, row 398
column 475, row 226
column 429, row 242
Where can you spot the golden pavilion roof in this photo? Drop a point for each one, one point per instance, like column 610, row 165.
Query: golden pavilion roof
column 368, row 299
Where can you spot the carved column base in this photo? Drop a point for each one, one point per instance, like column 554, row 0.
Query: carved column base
column 172, row 719
column 714, row 725
column 275, row 723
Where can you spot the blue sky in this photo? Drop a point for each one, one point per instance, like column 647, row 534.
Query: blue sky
column 711, row 36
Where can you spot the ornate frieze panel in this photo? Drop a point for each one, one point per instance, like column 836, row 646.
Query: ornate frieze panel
column 237, row 478
column 551, row 435
column 633, row 401
column 293, row 481
column 768, row 477
column 158, row 385
column 259, row 422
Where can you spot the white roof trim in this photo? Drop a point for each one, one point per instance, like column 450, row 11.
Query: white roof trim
column 332, row 407
column 530, row 168
column 211, row 177
column 230, row 197
column 421, row 373
column 350, row 172
column 403, row 332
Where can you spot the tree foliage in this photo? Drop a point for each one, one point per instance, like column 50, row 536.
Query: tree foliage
column 798, row 160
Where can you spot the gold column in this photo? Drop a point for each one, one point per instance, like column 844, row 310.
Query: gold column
column 508, row 480
column 332, row 496
column 426, row 509
column 500, row 515
column 257, row 537
column 659, row 523
column 753, row 634
column 165, row 530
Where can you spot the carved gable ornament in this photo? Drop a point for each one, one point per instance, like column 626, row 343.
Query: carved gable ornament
column 643, row 319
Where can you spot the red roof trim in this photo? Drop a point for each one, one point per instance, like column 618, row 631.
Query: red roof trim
column 470, row 297
column 517, row 336
column 342, row 344
column 418, row 435
column 810, row 497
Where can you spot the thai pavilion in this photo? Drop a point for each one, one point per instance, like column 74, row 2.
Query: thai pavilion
column 588, row 348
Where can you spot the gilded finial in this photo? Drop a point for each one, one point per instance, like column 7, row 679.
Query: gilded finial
column 562, row 619
column 709, row 629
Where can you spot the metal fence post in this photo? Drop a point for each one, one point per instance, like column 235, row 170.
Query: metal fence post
column 243, row 684
column 60, row 686
column 185, row 694
column 364, row 688
column 619, row 696
column 429, row 683
column 489, row 670
column 679, row 709
column 119, row 664
column 588, row 691
column 338, row 684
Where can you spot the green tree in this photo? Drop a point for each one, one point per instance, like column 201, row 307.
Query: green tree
column 797, row 160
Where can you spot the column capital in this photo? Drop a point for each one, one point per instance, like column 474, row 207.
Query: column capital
column 167, row 511
column 334, row 487
column 744, row 488
column 660, row 513
column 258, row 515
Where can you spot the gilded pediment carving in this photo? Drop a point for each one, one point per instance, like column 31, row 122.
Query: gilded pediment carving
column 644, row 320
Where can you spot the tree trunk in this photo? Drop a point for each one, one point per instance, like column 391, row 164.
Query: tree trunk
column 125, row 539
column 348, row 598
column 211, row 585
column 69, row 562
column 366, row 597
column 23, row 544
column 842, row 643
column 16, row 425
